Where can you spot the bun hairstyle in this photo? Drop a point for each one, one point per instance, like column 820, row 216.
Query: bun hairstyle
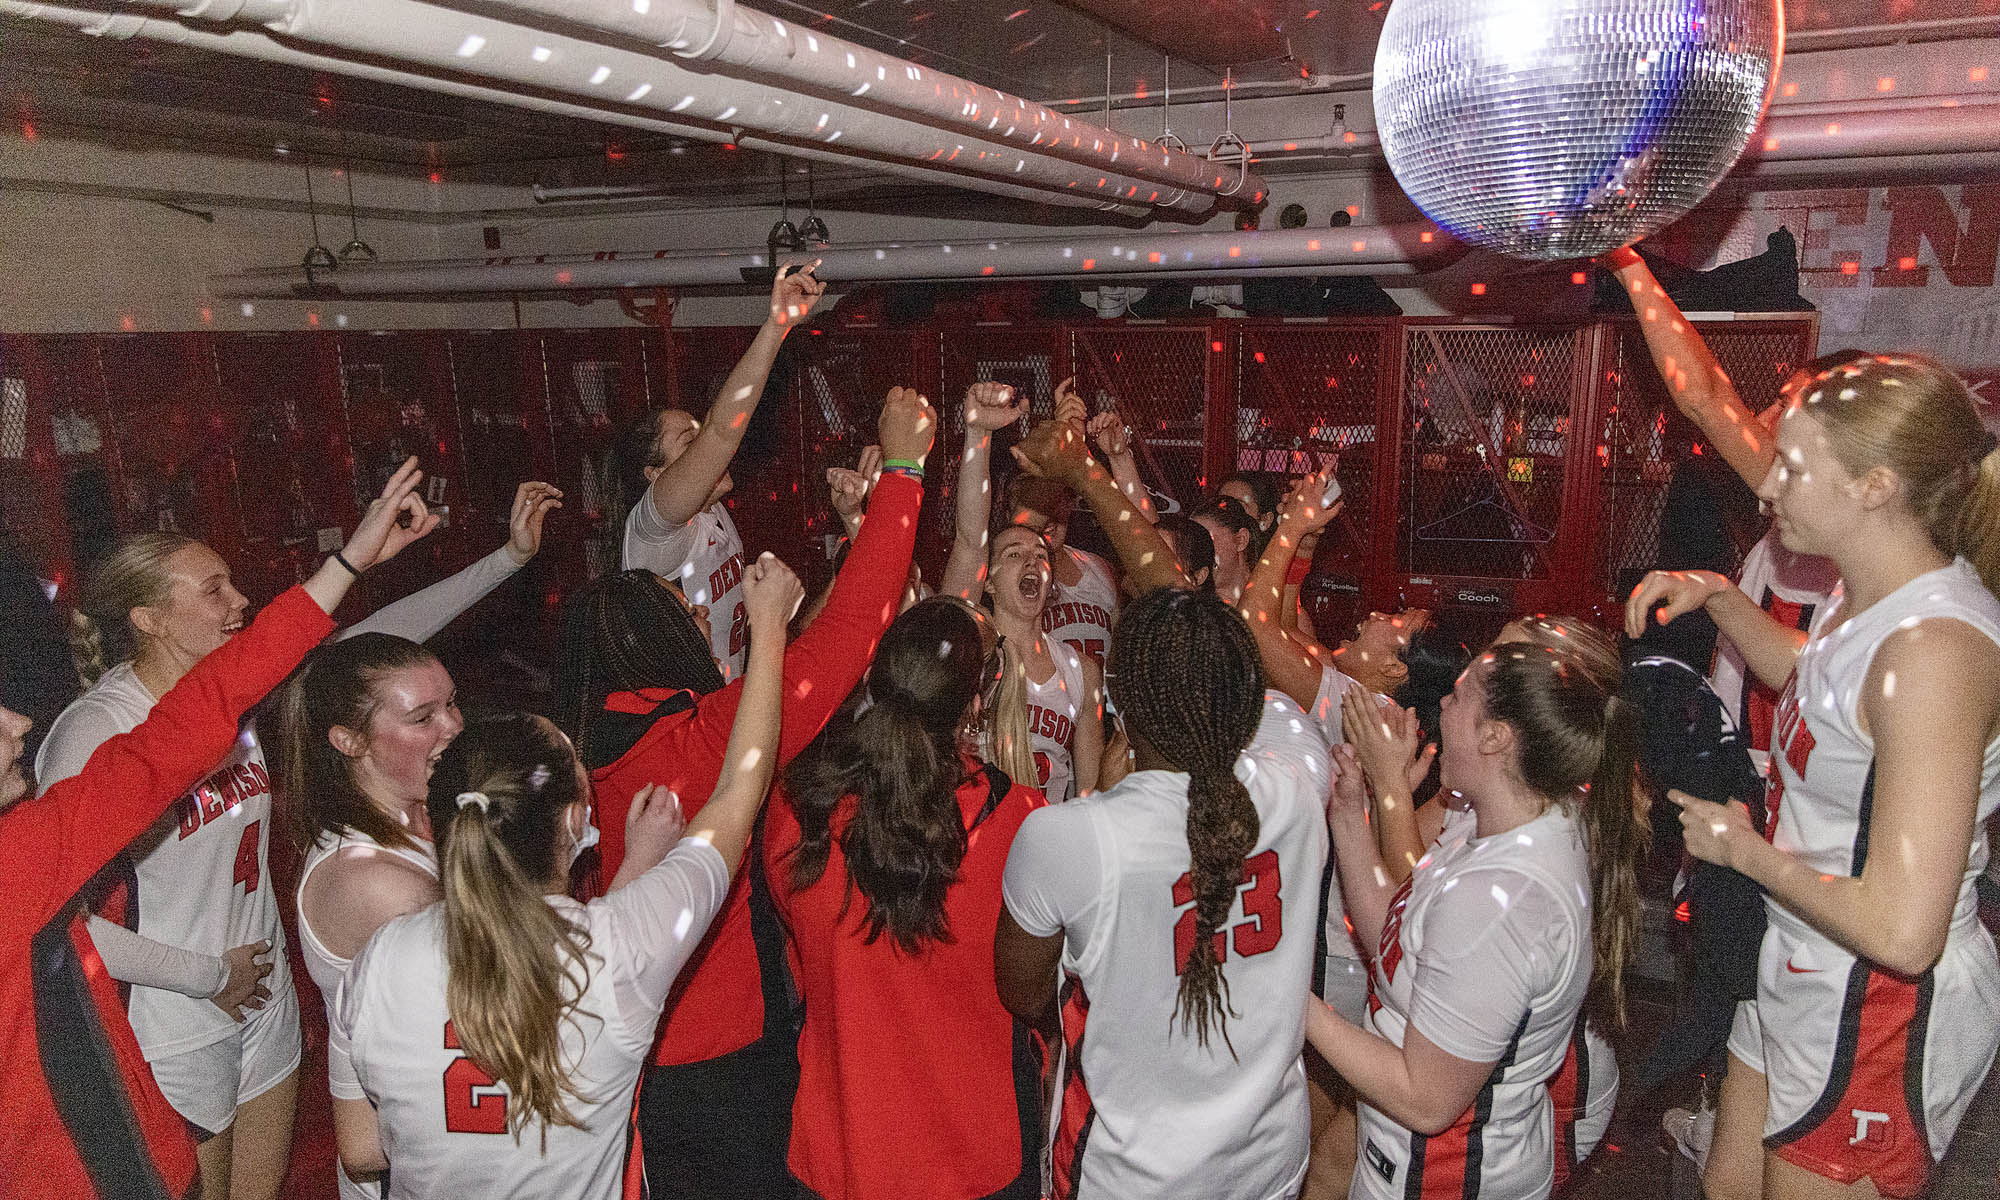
column 1912, row 415
column 899, row 761
column 1577, row 743
column 1186, row 678
column 133, row 575
column 335, row 686
column 516, row 966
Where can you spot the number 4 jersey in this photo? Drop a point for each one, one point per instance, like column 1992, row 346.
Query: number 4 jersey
column 198, row 880
column 1142, row 1107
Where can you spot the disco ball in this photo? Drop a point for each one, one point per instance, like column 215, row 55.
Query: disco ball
column 1558, row 129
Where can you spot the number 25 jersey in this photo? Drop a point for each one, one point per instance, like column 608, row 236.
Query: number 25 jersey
column 1142, row 1107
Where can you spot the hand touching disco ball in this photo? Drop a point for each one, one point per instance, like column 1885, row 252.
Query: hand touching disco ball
column 1557, row 129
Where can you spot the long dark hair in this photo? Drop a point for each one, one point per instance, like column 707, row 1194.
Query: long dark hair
column 515, row 965
column 1186, row 678
column 899, row 760
column 1577, row 743
column 622, row 633
column 336, row 686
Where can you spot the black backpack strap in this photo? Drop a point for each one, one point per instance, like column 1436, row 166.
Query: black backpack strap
column 997, row 787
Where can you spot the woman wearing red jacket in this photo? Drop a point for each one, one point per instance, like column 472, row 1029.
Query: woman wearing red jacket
column 639, row 693
column 79, row 1113
column 884, row 856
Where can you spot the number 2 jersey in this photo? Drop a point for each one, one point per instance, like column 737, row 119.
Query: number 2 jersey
column 443, row 1120
column 1487, row 952
column 172, row 878
column 1141, row 1107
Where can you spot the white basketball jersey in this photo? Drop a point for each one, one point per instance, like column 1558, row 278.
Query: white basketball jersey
column 1053, row 706
column 1141, row 1107
column 705, row 557
column 1487, row 951
column 444, row 1120
column 200, row 880
column 1792, row 588
column 1824, row 765
column 1081, row 616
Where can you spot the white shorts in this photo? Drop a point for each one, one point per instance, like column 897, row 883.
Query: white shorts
column 1868, row 1073
column 207, row 1084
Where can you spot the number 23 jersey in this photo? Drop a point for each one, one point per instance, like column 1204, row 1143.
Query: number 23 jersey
column 1142, row 1107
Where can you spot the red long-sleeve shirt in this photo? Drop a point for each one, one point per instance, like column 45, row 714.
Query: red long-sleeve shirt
column 718, row 1004
column 79, row 1113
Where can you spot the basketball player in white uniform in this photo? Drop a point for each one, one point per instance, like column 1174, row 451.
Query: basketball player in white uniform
column 197, row 889
column 673, row 471
column 511, row 804
column 1104, row 888
column 1011, row 574
column 1877, row 987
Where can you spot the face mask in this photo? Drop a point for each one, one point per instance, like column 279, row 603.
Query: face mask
column 579, row 842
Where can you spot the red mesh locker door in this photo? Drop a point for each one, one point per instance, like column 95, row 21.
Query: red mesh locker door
column 1161, row 379
column 172, row 439
column 1306, row 395
column 838, row 381
column 1643, row 438
column 294, row 468
column 31, row 480
column 1485, row 463
column 592, row 381
column 1027, row 358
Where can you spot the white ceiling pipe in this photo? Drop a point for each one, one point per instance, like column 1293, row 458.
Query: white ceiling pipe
column 246, row 44
column 1865, row 132
column 1353, row 141
column 406, row 32
column 742, row 42
column 1359, row 250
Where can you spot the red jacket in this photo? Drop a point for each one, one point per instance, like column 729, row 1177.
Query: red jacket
column 914, row 1080
column 717, row 1005
column 80, row 1115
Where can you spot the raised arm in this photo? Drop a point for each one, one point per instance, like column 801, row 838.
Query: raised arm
column 1769, row 649
column 1289, row 665
column 1931, row 704
column 1365, row 887
column 771, row 593
column 683, row 487
column 988, row 407
column 1056, row 450
column 52, row 845
column 424, row 614
column 1114, row 441
column 1699, row 386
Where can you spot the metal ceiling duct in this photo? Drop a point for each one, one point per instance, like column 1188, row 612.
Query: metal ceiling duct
column 743, row 43
column 259, row 46
column 1356, row 250
column 517, row 57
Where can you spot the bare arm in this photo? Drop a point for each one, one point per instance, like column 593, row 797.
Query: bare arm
column 1699, row 386
column 1420, row 1087
column 357, row 892
column 771, row 594
column 358, row 1135
column 1769, row 649
column 1056, row 449
column 1289, row 665
column 1114, row 440
column 1931, row 703
column 683, row 487
column 1087, row 748
column 988, row 407
column 1024, row 970
column 1365, row 886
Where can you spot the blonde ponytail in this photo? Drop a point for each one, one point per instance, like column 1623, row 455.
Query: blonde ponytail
column 1008, row 744
column 133, row 575
column 1978, row 533
column 516, row 967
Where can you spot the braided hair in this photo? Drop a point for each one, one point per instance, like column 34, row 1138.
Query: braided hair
column 621, row 633
column 1186, row 676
